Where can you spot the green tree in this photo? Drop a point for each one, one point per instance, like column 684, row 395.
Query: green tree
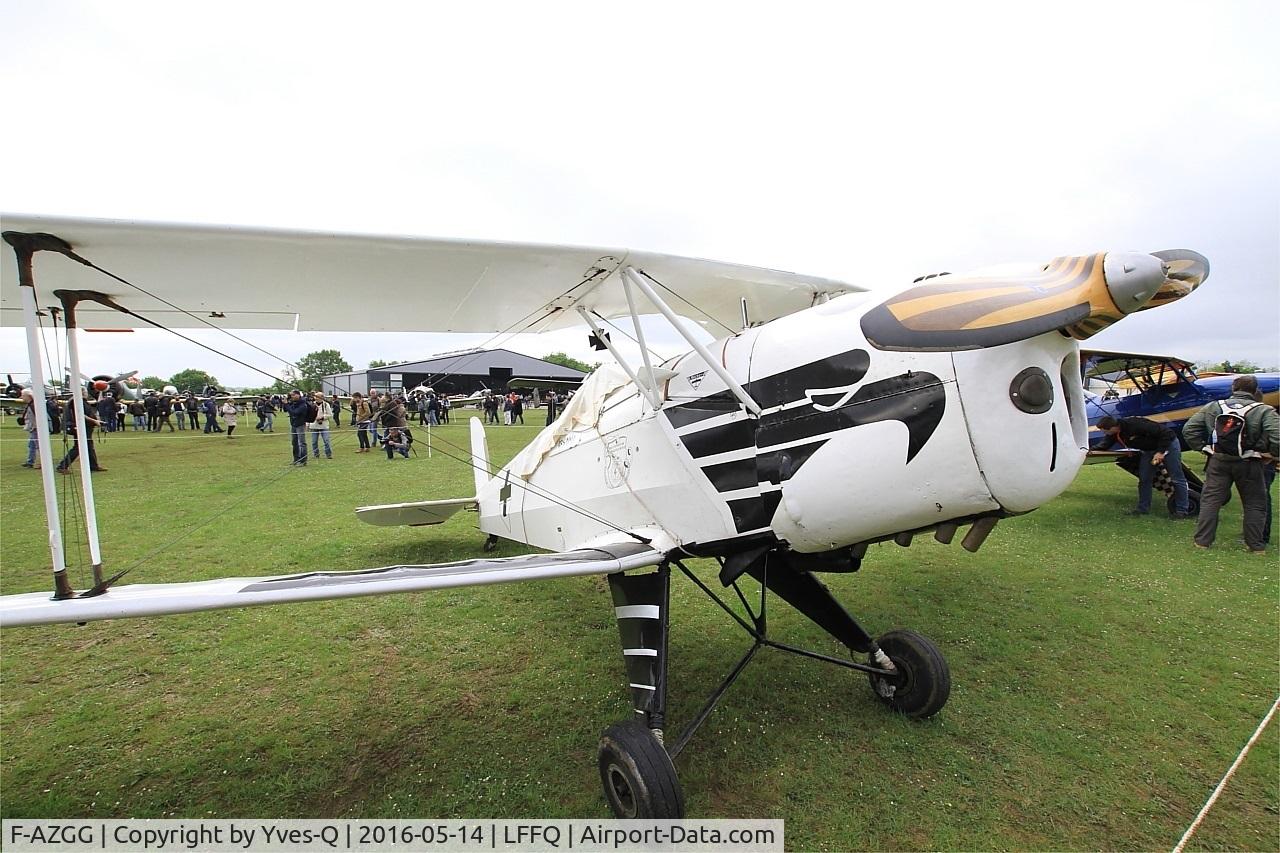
column 314, row 366
column 1228, row 366
column 378, row 362
column 192, row 379
column 569, row 361
column 154, row 382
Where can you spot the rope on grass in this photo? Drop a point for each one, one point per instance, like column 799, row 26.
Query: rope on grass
column 1213, row 798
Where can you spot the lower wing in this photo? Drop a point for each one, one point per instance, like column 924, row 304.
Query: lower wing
column 133, row 600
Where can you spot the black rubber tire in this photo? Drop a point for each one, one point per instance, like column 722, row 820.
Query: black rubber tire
column 924, row 680
column 1193, row 504
column 638, row 777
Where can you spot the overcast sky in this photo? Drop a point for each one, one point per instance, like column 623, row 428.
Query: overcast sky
column 864, row 144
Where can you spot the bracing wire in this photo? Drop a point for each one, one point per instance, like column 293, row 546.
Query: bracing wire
column 541, row 492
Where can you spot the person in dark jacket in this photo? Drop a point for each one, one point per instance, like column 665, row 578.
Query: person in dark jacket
column 152, row 404
column 1159, row 446
column 1244, row 465
column 74, row 453
column 299, row 410
column 166, row 409
column 210, row 408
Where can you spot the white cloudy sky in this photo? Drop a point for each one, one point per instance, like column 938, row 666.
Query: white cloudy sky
column 858, row 143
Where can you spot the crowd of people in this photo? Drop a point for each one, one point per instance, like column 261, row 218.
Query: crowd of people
column 382, row 420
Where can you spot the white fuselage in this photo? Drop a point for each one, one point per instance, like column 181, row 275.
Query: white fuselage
column 853, row 444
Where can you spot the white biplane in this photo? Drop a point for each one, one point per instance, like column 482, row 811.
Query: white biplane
column 822, row 418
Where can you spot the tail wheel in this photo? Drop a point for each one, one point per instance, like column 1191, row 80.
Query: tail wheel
column 923, row 682
column 637, row 774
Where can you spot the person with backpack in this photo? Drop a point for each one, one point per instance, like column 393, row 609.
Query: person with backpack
column 1241, row 436
column 1159, row 446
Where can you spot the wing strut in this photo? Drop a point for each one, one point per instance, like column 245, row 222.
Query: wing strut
column 629, row 274
column 69, row 300
column 24, row 247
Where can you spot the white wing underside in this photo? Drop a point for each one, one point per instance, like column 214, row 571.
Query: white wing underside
column 250, row 278
column 135, row 600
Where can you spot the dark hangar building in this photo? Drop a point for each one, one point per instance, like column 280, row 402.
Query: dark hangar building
column 463, row 372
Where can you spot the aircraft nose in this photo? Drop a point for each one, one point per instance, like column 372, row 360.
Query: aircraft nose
column 1132, row 278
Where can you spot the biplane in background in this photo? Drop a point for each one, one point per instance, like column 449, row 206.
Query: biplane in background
column 1161, row 388
column 810, row 419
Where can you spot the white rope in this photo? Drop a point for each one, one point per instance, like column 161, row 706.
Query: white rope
column 1213, row 798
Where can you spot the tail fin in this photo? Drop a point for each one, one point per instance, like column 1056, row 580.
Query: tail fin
column 479, row 454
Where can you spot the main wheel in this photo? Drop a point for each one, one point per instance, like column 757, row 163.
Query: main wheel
column 1193, row 504
column 637, row 774
column 923, row 682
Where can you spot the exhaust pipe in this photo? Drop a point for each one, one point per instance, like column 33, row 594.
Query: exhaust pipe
column 978, row 534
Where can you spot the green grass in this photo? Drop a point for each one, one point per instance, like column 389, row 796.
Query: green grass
column 1106, row 674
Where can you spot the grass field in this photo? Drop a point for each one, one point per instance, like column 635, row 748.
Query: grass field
column 1106, row 674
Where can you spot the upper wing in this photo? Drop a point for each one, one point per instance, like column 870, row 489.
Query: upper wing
column 131, row 600
column 1102, row 363
column 258, row 278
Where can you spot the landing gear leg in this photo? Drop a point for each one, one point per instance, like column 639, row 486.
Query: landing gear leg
column 914, row 679
column 491, row 543
column 637, row 773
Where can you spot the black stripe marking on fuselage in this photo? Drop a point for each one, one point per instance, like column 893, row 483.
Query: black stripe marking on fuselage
column 916, row 399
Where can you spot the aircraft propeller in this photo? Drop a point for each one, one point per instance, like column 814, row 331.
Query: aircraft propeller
column 1079, row 296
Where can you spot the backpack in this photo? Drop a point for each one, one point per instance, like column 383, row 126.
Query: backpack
column 312, row 412
column 1228, row 430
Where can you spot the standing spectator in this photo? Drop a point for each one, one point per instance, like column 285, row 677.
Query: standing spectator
column 29, row 411
column 180, row 414
column 320, row 426
column 210, row 408
column 375, row 413
column 230, row 414
column 299, row 411
column 165, row 409
column 360, row 412
column 1237, row 434
column 139, row 414
column 490, row 404
column 337, row 410
column 266, row 414
column 517, row 408
column 433, row 409
column 74, row 453
column 107, row 412
column 551, row 407
column 192, row 405
column 152, row 404
column 444, row 408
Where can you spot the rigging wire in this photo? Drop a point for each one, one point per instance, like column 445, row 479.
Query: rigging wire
column 539, row 491
column 705, row 313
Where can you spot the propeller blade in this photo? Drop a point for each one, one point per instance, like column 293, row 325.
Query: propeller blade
column 1078, row 295
column 1185, row 270
column 123, row 376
